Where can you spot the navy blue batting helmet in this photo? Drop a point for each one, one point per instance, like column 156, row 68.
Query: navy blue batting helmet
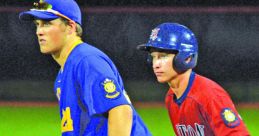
column 174, row 37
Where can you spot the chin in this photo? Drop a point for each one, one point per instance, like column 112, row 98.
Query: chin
column 161, row 80
column 45, row 52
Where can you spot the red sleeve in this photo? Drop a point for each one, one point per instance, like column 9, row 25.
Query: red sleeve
column 225, row 120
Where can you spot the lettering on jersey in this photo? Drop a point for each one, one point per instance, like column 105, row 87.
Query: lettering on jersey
column 188, row 130
column 58, row 93
column 229, row 117
column 154, row 33
column 66, row 122
column 110, row 89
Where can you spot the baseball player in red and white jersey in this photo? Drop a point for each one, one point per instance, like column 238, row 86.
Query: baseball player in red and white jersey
column 197, row 106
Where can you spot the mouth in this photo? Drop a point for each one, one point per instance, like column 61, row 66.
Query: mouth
column 159, row 73
column 42, row 41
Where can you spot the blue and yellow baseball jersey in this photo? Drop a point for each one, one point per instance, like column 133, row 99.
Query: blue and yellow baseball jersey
column 87, row 88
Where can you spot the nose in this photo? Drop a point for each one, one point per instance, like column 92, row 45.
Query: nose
column 156, row 64
column 39, row 31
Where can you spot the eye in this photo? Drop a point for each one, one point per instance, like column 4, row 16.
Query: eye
column 163, row 56
column 151, row 56
column 47, row 24
column 36, row 23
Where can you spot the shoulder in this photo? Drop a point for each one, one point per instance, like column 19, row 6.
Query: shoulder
column 205, row 90
column 97, row 64
column 85, row 49
column 207, row 86
column 86, row 53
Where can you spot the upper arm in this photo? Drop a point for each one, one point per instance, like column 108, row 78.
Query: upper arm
column 120, row 121
column 225, row 117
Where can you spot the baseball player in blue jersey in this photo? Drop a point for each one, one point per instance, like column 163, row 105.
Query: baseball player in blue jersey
column 89, row 88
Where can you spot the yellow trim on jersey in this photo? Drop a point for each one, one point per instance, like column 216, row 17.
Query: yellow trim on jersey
column 58, row 93
column 61, row 59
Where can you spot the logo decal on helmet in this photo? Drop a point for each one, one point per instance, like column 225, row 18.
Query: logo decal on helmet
column 154, row 33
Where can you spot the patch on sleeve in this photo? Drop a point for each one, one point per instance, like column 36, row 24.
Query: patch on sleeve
column 110, row 89
column 230, row 118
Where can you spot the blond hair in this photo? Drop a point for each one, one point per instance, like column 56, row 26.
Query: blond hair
column 79, row 30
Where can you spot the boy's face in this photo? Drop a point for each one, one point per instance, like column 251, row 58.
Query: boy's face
column 163, row 66
column 51, row 35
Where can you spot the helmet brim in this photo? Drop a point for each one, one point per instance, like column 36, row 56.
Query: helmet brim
column 148, row 48
column 32, row 15
column 143, row 47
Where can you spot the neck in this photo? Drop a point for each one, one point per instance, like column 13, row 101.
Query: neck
column 180, row 83
column 61, row 56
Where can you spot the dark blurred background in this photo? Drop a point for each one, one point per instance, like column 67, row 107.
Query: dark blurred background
column 145, row 2
column 227, row 32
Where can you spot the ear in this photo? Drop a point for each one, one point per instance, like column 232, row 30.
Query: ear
column 72, row 27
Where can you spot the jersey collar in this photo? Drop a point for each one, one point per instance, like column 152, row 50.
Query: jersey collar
column 61, row 60
column 187, row 90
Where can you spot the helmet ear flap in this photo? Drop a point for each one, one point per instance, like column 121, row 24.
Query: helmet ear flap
column 179, row 62
column 176, row 65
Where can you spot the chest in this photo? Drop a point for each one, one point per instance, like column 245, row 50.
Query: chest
column 189, row 112
column 189, row 117
column 65, row 89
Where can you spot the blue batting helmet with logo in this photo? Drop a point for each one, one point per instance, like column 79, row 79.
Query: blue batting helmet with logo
column 174, row 37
